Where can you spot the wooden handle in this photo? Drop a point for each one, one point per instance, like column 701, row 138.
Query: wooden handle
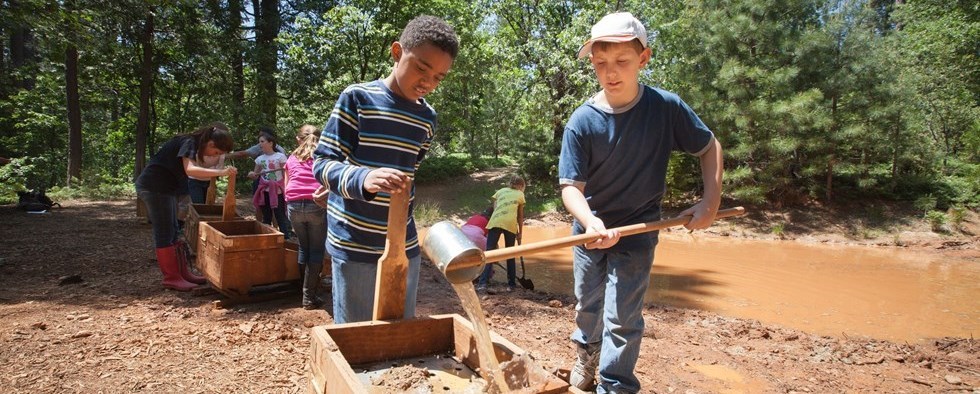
column 212, row 192
column 564, row 242
column 228, row 211
column 390, row 285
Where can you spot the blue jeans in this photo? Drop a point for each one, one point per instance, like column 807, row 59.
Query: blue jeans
column 609, row 287
column 353, row 289
column 309, row 221
column 493, row 238
column 279, row 211
column 161, row 210
column 198, row 190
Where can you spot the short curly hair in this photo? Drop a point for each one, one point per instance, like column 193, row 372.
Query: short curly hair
column 429, row 29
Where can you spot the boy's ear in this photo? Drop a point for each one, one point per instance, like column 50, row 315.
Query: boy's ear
column 645, row 57
column 396, row 51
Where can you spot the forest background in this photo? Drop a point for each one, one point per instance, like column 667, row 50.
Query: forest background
column 815, row 101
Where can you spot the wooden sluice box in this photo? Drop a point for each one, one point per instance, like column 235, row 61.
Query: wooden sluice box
column 237, row 255
column 346, row 357
column 201, row 213
column 291, row 256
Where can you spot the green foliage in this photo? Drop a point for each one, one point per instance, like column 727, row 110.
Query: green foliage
column 936, row 220
column 436, row 169
column 779, row 230
column 93, row 191
column 925, row 203
column 810, row 99
column 956, row 216
column 25, row 173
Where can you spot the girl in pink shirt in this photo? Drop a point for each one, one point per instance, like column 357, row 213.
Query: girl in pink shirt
column 308, row 218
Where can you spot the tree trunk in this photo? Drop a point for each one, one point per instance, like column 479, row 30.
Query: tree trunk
column 834, row 130
column 4, row 94
column 267, row 29
column 146, row 89
column 238, row 59
column 22, row 54
column 74, row 115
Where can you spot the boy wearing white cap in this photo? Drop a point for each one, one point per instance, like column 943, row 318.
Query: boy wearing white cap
column 612, row 170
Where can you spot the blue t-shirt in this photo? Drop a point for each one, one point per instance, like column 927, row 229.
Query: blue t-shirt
column 620, row 157
column 165, row 171
column 370, row 127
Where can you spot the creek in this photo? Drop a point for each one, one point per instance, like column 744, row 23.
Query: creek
column 884, row 293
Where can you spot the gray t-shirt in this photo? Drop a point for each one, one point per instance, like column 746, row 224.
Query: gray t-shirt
column 256, row 150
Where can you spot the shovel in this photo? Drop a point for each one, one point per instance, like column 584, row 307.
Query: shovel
column 525, row 282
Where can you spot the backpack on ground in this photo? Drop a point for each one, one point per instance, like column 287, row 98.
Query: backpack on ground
column 34, row 200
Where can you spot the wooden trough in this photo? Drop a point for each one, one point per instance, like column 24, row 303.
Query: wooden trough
column 345, row 356
column 291, row 256
column 201, row 213
column 237, row 255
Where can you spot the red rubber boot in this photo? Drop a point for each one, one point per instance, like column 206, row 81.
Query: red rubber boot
column 168, row 262
column 184, row 264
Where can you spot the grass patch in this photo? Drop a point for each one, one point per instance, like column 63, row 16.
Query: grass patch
column 428, row 213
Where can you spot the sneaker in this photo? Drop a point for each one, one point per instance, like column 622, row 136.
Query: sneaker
column 316, row 303
column 481, row 288
column 509, row 289
column 582, row 375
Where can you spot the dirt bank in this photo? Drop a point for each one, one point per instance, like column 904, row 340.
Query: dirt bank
column 81, row 310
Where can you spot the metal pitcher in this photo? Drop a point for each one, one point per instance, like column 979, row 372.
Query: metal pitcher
column 447, row 246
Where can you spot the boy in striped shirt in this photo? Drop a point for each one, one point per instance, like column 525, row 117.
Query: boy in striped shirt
column 371, row 146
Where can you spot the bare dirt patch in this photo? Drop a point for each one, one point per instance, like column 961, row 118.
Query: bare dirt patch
column 82, row 310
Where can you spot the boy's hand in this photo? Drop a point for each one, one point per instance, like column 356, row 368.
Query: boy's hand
column 252, row 175
column 608, row 239
column 388, row 180
column 320, row 196
column 702, row 216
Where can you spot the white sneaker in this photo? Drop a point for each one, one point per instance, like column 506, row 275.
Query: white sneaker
column 582, row 375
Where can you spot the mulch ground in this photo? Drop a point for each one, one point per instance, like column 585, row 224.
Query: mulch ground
column 82, row 310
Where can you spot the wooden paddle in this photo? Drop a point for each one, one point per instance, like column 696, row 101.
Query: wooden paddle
column 212, row 192
column 390, row 287
column 228, row 211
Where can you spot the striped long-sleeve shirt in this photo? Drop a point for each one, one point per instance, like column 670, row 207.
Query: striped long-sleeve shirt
column 369, row 128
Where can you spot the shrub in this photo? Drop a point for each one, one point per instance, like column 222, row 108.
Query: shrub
column 925, row 203
column 435, row 169
column 778, row 230
column 956, row 215
column 936, row 220
column 22, row 174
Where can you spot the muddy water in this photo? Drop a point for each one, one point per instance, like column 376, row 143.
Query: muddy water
column 489, row 366
column 883, row 293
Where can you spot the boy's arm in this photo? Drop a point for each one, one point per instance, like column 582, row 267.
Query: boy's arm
column 330, row 166
column 576, row 204
column 711, row 172
column 520, row 222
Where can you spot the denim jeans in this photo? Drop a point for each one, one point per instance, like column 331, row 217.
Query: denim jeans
column 280, row 212
column 609, row 287
column 198, row 190
column 161, row 210
column 493, row 238
column 353, row 289
column 309, row 221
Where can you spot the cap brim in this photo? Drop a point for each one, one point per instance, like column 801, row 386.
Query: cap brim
column 586, row 49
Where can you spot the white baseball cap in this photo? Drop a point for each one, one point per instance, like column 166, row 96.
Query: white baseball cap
column 617, row 27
